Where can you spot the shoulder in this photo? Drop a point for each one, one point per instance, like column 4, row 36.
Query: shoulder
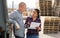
column 14, row 12
column 28, row 18
column 39, row 19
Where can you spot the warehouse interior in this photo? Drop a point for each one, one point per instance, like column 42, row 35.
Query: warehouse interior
column 49, row 15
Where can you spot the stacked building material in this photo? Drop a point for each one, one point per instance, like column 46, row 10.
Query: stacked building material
column 46, row 8
column 51, row 25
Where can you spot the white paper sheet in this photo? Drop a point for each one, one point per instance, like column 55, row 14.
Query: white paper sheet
column 34, row 25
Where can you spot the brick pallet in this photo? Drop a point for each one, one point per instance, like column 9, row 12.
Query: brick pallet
column 46, row 8
column 59, row 25
column 59, row 28
column 51, row 25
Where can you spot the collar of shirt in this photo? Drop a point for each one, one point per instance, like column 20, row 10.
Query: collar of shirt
column 19, row 11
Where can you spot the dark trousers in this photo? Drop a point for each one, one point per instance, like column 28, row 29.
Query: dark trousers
column 32, row 36
column 18, row 37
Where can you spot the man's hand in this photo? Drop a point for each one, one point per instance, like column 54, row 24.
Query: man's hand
column 17, row 26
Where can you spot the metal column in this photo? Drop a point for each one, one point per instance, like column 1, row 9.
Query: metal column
column 3, row 15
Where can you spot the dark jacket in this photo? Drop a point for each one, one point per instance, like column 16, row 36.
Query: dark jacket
column 32, row 31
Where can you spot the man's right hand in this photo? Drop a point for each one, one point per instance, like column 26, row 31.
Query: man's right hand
column 17, row 26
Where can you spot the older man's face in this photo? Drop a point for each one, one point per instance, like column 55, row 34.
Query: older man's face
column 22, row 8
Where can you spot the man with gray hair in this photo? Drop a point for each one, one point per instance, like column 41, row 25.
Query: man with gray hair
column 16, row 17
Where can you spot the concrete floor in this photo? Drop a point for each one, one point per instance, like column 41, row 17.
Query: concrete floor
column 41, row 35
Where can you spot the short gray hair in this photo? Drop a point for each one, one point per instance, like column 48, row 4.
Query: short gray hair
column 22, row 3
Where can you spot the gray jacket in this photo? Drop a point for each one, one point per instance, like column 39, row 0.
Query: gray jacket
column 16, row 17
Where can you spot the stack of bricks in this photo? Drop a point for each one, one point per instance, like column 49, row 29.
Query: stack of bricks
column 42, row 7
column 59, row 27
column 51, row 25
column 46, row 8
column 59, row 24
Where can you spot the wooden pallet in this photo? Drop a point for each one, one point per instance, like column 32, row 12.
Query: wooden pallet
column 51, row 25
